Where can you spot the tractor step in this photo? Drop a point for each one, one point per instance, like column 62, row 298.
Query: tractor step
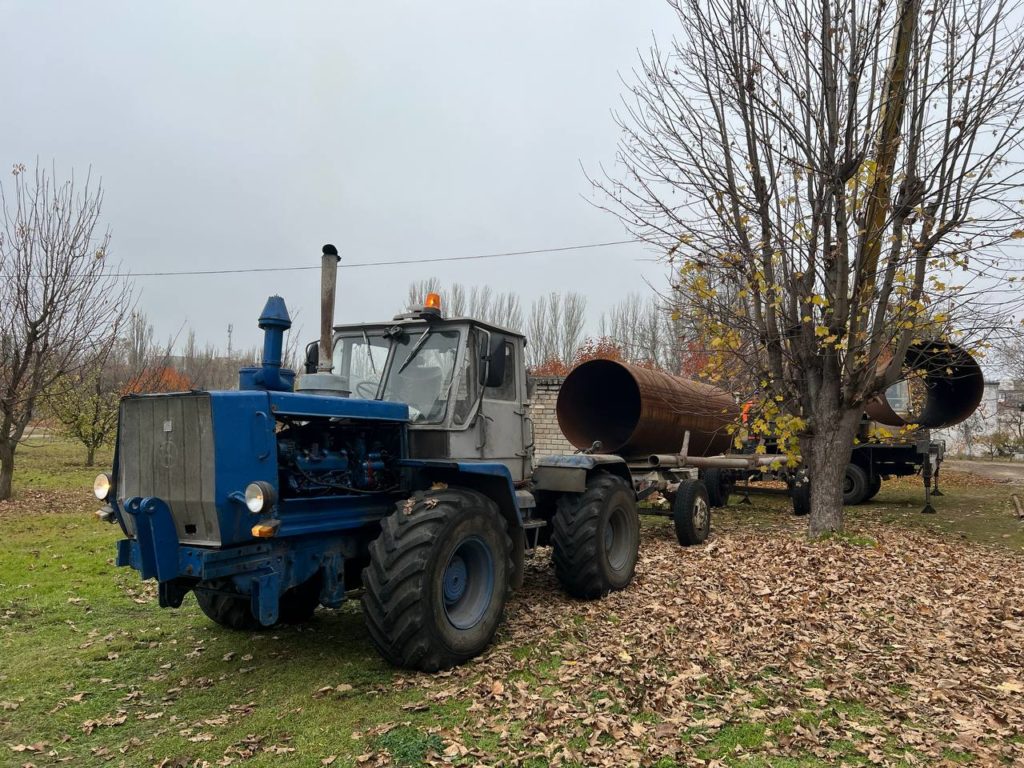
column 534, row 525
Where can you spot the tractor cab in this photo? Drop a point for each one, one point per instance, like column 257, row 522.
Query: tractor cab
column 463, row 380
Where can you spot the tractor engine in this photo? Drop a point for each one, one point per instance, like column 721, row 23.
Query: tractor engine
column 323, row 457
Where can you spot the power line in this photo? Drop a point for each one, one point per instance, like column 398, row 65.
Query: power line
column 355, row 265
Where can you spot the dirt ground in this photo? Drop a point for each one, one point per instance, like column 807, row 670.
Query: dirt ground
column 1011, row 472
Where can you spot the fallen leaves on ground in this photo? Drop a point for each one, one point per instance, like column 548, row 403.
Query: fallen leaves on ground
column 898, row 651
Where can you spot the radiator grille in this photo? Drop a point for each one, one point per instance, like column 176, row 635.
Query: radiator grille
column 165, row 450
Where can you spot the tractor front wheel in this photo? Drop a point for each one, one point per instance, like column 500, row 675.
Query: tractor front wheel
column 595, row 539
column 438, row 578
column 223, row 605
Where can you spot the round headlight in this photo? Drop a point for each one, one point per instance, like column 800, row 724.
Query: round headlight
column 259, row 496
column 102, row 485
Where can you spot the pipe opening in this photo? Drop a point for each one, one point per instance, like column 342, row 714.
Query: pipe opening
column 598, row 401
column 943, row 387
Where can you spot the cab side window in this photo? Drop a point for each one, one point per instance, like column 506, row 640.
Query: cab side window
column 468, row 389
column 507, row 390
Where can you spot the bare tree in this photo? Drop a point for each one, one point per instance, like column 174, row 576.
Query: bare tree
column 554, row 328
column 821, row 174
column 60, row 303
column 479, row 302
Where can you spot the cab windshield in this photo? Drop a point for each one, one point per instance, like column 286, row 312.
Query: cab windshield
column 414, row 367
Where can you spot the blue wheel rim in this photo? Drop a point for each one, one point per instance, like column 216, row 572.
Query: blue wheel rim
column 467, row 585
column 616, row 538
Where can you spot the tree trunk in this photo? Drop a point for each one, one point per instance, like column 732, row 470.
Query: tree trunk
column 826, row 454
column 90, row 455
column 6, row 469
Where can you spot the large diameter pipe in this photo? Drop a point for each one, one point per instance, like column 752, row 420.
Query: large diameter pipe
column 635, row 411
column 328, row 288
column 944, row 387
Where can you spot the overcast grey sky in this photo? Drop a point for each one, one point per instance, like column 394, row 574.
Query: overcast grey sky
column 235, row 134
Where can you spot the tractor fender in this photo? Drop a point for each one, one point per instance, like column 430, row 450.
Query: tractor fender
column 491, row 479
column 569, row 473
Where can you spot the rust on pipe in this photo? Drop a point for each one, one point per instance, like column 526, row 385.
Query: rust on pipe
column 944, row 387
column 635, row 411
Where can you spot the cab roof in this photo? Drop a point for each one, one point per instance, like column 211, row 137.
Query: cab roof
column 419, row 317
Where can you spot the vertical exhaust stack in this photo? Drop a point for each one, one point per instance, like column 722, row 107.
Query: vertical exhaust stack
column 323, row 382
column 328, row 288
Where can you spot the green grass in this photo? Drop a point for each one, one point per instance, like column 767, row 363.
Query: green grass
column 49, row 463
column 85, row 646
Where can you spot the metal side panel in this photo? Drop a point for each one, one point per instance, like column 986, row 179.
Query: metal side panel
column 166, row 451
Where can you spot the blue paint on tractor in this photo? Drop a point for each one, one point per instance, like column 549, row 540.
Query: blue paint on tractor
column 274, row 321
column 468, row 583
column 330, row 490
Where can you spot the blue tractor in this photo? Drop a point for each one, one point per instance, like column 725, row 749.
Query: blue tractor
column 399, row 469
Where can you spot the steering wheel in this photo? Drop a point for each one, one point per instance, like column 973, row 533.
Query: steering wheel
column 367, row 389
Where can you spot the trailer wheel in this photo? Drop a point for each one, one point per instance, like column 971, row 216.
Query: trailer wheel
column 691, row 513
column 800, row 491
column 855, row 485
column 298, row 603
column 437, row 580
column 219, row 601
column 874, row 487
column 719, row 486
column 595, row 538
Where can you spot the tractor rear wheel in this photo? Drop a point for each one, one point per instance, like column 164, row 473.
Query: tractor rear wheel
column 691, row 513
column 595, row 538
column 223, row 605
column 438, row 578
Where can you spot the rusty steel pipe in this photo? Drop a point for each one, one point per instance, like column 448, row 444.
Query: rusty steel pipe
column 953, row 386
column 635, row 411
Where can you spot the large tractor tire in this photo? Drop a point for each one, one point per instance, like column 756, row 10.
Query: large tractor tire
column 691, row 513
column 438, row 578
column 219, row 601
column 718, row 483
column 856, row 485
column 595, row 538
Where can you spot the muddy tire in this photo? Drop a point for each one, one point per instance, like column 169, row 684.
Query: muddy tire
column 218, row 600
column 595, row 538
column 691, row 513
column 438, row 579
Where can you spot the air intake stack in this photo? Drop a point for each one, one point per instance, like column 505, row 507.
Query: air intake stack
column 274, row 321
